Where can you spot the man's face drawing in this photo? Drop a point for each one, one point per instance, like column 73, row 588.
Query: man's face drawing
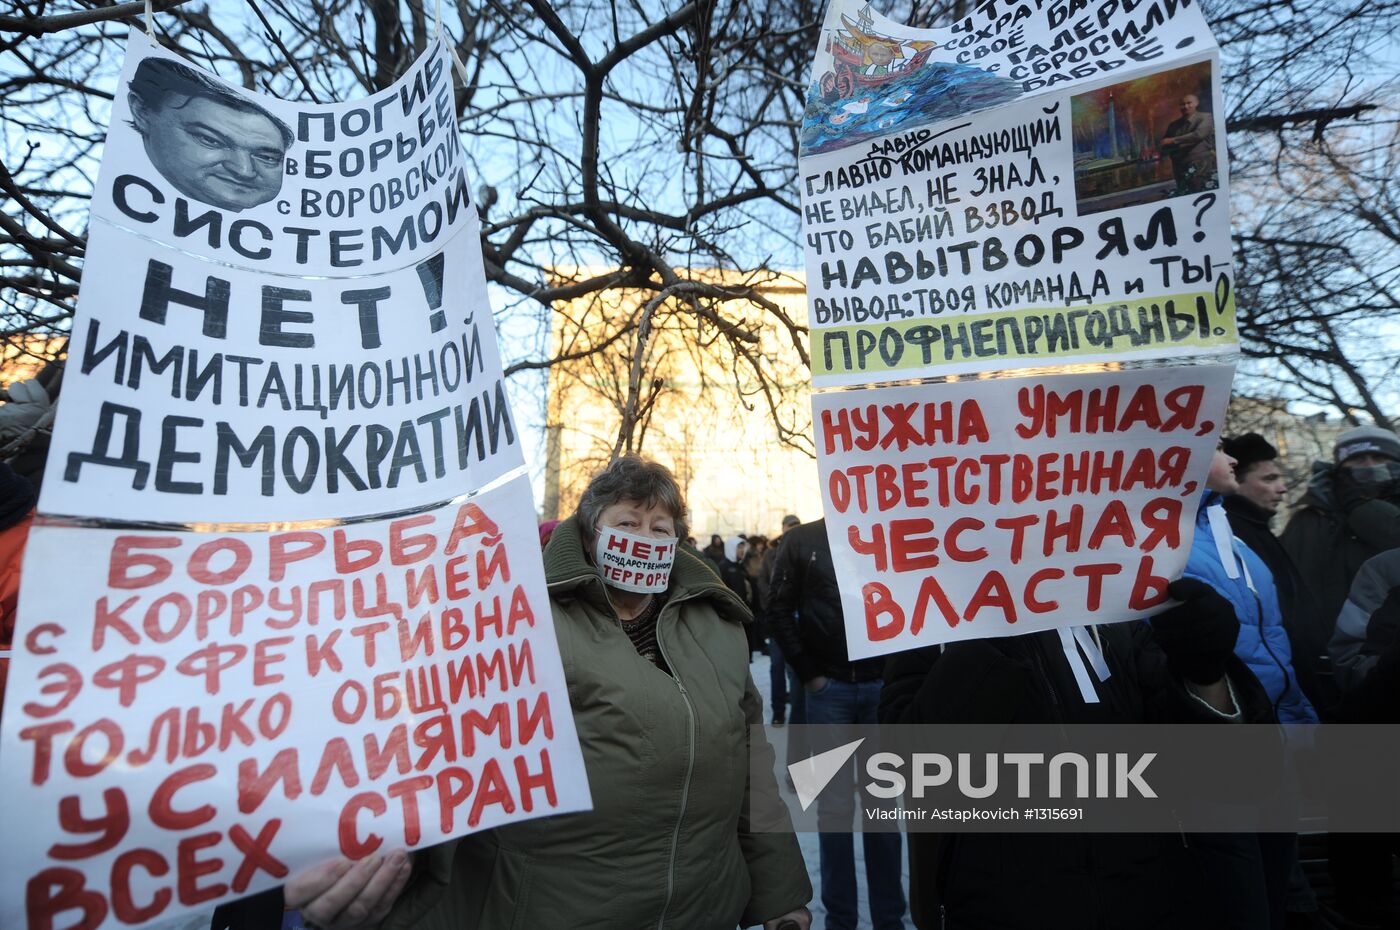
column 215, row 153
column 880, row 54
column 1189, row 104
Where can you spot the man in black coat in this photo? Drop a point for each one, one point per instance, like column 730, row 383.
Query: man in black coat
column 804, row 614
column 1262, row 487
column 804, row 611
column 1180, row 669
column 1366, row 654
column 1350, row 513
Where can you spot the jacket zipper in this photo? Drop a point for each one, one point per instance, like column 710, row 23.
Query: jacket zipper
column 1263, row 641
column 690, row 736
column 685, row 786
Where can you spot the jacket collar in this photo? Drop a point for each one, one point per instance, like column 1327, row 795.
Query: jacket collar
column 1320, row 493
column 1241, row 506
column 571, row 576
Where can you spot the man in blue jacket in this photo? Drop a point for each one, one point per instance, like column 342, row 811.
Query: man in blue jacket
column 1251, row 510
column 1233, row 569
column 1264, row 862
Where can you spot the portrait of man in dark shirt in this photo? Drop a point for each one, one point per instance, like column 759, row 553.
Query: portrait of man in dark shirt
column 211, row 144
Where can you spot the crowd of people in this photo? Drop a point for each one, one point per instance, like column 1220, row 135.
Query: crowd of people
column 1295, row 628
column 1290, row 629
column 1248, row 642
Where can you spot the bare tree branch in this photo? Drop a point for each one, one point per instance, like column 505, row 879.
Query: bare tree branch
column 44, row 25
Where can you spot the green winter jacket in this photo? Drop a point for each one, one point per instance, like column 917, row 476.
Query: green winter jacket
column 667, row 845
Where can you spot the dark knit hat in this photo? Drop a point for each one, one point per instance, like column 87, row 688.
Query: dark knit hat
column 1248, row 449
column 1366, row 439
column 791, row 520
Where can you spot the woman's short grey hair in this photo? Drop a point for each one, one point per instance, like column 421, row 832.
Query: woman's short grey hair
column 631, row 478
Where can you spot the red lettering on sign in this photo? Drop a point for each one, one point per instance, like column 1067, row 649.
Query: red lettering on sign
column 164, row 815
column 350, row 842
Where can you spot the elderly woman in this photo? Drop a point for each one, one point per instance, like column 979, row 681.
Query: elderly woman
column 658, row 680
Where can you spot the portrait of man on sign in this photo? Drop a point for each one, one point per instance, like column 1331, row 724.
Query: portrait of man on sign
column 1144, row 140
column 211, row 144
column 1190, row 144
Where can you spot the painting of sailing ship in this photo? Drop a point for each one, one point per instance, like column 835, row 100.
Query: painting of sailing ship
column 1119, row 156
column 878, row 83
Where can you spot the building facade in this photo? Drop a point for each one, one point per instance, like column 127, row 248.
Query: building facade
column 735, row 430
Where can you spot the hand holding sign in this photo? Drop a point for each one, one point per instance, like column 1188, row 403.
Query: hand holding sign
column 1199, row 633
column 344, row 895
column 800, row 919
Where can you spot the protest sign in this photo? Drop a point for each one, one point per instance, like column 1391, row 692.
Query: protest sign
column 344, row 188
column 264, row 384
column 284, row 599
column 1033, row 185
column 191, row 716
column 279, row 398
column 1037, row 187
column 1006, row 506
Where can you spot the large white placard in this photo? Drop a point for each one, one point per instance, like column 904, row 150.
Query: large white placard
column 1007, row 506
column 1027, row 187
column 289, row 399
column 191, row 716
column 1035, row 188
column 284, row 599
column 351, row 188
column 222, row 372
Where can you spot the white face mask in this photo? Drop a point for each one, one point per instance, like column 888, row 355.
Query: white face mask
column 634, row 563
